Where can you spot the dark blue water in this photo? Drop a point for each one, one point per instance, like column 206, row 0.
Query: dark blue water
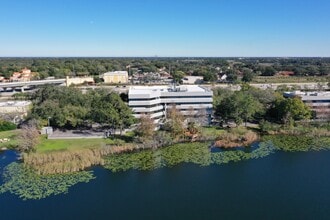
column 280, row 186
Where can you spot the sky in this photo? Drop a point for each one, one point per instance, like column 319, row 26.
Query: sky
column 165, row 28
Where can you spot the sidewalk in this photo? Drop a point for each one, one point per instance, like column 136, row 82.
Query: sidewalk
column 75, row 134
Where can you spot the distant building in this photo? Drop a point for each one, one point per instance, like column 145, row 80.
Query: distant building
column 192, row 80
column 22, row 76
column 223, row 77
column 192, row 101
column 115, row 77
column 285, row 73
column 319, row 102
column 79, row 80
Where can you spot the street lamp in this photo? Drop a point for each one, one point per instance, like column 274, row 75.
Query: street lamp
column 49, row 121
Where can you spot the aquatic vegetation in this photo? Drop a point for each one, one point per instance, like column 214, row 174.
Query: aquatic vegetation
column 293, row 143
column 27, row 184
column 24, row 179
column 196, row 153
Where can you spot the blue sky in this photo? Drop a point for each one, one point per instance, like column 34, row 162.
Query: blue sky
column 164, row 28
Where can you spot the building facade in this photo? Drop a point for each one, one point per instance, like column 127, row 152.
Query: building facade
column 116, row 77
column 319, row 102
column 192, row 101
column 79, row 80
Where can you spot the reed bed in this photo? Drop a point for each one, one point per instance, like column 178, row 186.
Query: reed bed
column 58, row 162
column 236, row 138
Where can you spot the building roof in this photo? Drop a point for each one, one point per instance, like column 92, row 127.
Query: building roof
column 162, row 90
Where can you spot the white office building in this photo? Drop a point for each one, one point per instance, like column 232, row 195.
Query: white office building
column 319, row 102
column 190, row 100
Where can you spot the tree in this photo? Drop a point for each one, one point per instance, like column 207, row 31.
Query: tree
column 28, row 137
column 290, row 109
column 210, row 77
column 146, row 128
column 268, row 71
column 109, row 109
column 177, row 76
column 65, row 106
column 174, row 123
column 239, row 106
column 248, row 75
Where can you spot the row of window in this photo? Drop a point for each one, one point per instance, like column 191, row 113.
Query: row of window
column 318, row 101
column 144, row 99
column 144, row 106
column 181, row 103
column 169, row 97
column 183, row 97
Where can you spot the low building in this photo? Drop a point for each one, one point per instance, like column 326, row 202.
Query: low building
column 23, row 76
column 79, row 80
column 319, row 102
column 14, row 110
column 191, row 100
column 116, row 77
column 285, row 73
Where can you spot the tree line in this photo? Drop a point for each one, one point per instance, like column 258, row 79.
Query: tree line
column 210, row 68
column 251, row 104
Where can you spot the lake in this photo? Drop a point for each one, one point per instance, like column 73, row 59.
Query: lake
column 280, row 186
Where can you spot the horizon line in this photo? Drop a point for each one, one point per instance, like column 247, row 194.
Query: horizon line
column 155, row 57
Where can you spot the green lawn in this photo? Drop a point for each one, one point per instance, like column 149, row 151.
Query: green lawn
column 48, row 145
column 12, row 136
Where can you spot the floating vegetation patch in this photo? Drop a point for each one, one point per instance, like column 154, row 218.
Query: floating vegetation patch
column 197, row 153
column 25, row 183
column 295, row 143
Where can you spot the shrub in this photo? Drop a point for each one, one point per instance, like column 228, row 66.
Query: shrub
column 7, row 126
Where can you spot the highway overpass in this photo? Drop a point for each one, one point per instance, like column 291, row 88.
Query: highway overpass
column 14, row 85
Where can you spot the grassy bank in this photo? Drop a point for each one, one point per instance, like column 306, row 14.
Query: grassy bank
column 72, row 155
column 12, row 136
column 49, row 145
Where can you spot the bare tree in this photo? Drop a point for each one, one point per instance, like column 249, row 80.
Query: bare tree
column 28, row 137
column 146, row 128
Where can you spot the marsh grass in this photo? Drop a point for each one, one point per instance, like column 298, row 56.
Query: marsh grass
column 236, row 137
column 71, row 160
